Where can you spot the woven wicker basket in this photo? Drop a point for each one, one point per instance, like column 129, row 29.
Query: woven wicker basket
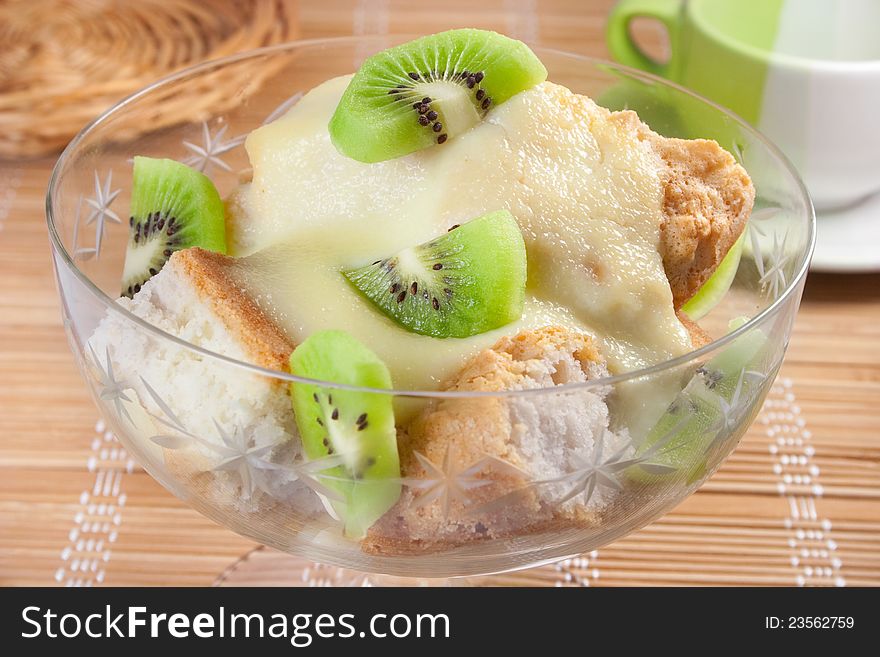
column 64, row 62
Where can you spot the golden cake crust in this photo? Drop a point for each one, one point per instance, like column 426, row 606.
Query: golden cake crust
column 259, row 336
column 707, row 200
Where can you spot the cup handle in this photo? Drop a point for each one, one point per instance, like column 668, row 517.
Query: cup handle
column 620, row 43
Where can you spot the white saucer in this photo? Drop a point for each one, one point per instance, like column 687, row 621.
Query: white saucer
column 848, row 240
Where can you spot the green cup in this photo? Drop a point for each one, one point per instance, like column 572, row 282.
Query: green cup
column 805, row 72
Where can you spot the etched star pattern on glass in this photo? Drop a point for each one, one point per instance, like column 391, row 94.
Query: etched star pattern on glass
column 81, row 253
column 447, row 482
column 101, row 212
column 774, row 277
column 211, row 148
column 730, row 412
column 111, row 389
column 594, row 470
column 646, row 460
column 588, row 472
column 772, row 265
column 238, row 455
column 214, row 145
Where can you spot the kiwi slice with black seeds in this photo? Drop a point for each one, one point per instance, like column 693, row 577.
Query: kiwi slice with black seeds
column 356, row 427
column 428, row 91
column 173, row 207
column 468, row 281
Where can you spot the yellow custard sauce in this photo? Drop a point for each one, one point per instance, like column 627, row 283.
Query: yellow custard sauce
column 585, row 191
column 298, row 284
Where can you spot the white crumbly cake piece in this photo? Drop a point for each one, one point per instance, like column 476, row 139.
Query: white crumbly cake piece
column 192, row 299
column 556, row 434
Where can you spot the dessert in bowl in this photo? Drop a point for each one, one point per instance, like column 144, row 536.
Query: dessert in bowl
column 447, row 314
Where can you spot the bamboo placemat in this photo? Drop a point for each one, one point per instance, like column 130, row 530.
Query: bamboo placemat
column 797, row 503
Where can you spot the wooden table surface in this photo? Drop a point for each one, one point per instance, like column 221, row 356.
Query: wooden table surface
column 75, row 510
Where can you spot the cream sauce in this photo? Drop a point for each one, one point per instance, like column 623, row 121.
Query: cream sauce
column 586, row 193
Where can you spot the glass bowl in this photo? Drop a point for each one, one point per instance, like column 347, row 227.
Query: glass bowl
column 218, row 432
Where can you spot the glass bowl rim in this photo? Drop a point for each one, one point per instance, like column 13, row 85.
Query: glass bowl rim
column 594, row 62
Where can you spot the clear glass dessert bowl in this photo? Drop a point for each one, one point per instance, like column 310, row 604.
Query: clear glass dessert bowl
column 609, row 454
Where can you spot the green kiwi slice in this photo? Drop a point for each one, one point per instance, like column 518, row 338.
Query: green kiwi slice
column 468, row 281
column 428, row 91
column 691, row 424
column 173, row 207
column 356, row 427
column 714, row 289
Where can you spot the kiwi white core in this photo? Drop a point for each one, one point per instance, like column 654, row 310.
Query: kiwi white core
column 455, row 105
column 344, row 443
column 408, row 261
column 140, row 257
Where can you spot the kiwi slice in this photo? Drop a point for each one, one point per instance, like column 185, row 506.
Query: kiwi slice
column 356, row 426
column 173, row 207
column 427, row 91
column 714, row 289
column 686, row 429
column 468, row 281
